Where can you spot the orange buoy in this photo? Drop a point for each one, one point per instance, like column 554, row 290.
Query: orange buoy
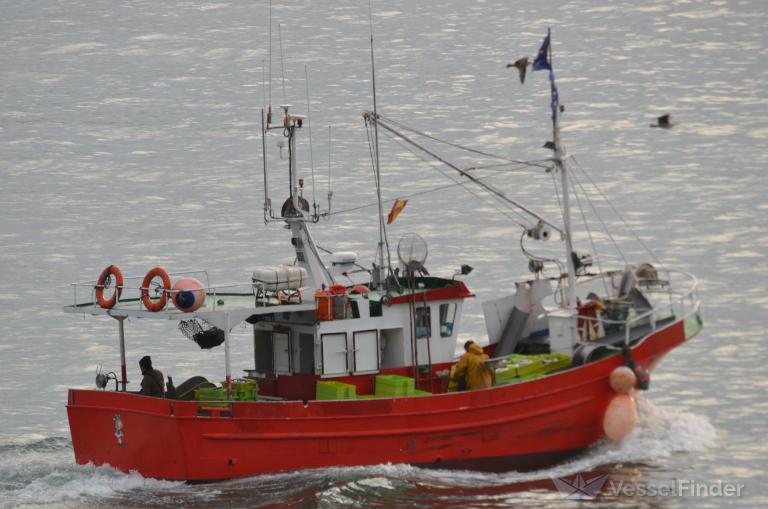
column 188, row 294
column 361, row 289
column 622, row 380
column 105, row 281
column 155, row 305
column 620, row 417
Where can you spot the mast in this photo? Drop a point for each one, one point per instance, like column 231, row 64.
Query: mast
column 379, row 271
column 295, row 211
column 570, row 296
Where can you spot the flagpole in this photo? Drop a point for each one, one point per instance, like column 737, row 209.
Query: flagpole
column 570, row 295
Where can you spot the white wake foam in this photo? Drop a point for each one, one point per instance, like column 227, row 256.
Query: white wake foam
column 45, row 472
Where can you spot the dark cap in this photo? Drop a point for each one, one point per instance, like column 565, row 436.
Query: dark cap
column 466, row 345
column 146, row 362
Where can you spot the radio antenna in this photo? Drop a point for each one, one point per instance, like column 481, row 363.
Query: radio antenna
column 282, row 61
column 330, row 188
column 311, row 155
column 269, row 72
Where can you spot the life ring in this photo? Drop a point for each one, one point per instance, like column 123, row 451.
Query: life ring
column 101, row 284
column 339, row 290
column 155, row 305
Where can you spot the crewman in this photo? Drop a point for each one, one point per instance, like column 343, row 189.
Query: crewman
column 152, row 381
column 472, row 367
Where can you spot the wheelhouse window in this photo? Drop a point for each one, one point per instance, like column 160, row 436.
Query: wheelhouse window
column 447, row 319
column 423, row 323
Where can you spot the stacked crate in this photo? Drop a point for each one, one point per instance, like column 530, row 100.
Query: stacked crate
column 334, row 390
column 245, row 389
column 211, row 396
column 392, row 386
column 521, row 368
column 555, row 361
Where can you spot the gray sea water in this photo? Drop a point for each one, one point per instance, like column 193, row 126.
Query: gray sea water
column 130, row 134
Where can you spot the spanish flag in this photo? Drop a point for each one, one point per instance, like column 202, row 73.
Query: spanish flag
column 397, row 207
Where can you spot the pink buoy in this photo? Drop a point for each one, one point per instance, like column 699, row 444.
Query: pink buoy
column 622, row 380
column 188, row 294
column 620, row 417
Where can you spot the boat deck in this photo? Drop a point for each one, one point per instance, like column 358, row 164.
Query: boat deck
column 239, row 305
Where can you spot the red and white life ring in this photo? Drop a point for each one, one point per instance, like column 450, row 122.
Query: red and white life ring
column 155, row 305
column 339, row 290
column 101, row 284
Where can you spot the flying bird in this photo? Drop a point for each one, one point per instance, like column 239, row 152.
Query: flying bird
column 663, row 121
column 522, row 67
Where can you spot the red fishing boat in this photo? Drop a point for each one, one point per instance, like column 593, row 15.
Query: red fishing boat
column 352, row 365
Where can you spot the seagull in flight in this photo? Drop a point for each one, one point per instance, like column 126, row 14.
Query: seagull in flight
column 663, row 121
column 522, row 67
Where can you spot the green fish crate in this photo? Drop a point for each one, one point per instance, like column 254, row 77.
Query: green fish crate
column 394, row 385
column 244, row 389
column 211, row 397
column 525, row 365
column 329, row 390
column 555, row 362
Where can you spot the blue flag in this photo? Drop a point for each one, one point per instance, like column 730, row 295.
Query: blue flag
column 555, row 95
column 542, row 58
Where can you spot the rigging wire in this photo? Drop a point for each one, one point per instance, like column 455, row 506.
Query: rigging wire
column 620, row 216
column 599, row 218
column 488, row 188
column 508, row 165
column 407, row 196
column 461, row 147
column 589, row 230
column 522, row 222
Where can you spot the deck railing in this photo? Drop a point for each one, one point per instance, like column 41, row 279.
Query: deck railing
column 130, row 290
column 679, row 291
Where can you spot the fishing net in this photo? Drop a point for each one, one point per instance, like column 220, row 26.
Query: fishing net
column 205, row 335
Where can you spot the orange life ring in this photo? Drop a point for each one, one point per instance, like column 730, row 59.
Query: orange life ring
column 339, row 290
column 159, row 304
column 112, row 270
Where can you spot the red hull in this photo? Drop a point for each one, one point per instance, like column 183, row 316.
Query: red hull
column 169, row 440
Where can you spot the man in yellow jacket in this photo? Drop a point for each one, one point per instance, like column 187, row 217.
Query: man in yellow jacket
column 472, row 367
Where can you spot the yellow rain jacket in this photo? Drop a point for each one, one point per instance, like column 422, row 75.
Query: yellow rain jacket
column 472, row 366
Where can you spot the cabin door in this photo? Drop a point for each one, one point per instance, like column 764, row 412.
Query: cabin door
column 334, row 353
column 281, row 346
column 366, row 348
column 306, row 354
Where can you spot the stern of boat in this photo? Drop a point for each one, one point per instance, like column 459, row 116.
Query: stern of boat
column 126, row 431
